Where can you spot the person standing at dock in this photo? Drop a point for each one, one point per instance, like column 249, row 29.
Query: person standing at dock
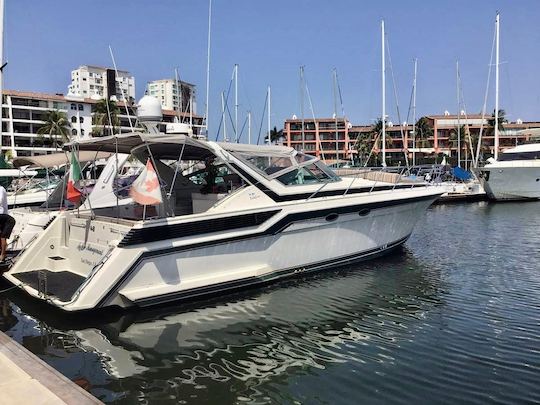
column 7, row 222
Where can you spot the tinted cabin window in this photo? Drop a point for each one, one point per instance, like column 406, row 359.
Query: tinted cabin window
column 519, row 156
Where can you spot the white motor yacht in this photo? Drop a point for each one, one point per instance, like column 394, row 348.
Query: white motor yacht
column 515, row 175
column 25, row 188
column 252, row 214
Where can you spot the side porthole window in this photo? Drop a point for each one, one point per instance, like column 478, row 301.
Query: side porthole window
column 364, row 212
column 332, row 217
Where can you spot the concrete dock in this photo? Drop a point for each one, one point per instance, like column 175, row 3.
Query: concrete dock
column 24, row 378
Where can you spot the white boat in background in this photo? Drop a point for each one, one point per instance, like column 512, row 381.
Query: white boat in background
column 31, row 220
column 271, row 213
column 462, row 191
column 515, row 175
column 25, row 189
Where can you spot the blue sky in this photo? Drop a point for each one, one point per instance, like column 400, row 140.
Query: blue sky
column 45, row 40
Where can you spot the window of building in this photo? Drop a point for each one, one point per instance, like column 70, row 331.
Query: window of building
column 82, row 132
column 81, row 119
column 81, row 107
column 74, row 132
column 73, row 106
column 73, row 119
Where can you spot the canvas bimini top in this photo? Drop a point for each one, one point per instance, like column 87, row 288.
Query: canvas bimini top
column 57, row 159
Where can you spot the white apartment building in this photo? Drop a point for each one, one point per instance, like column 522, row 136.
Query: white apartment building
column 93, row 82
column 173, row 95
column 23, row 113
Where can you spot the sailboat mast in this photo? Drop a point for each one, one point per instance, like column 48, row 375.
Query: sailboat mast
column 414, row 113
column 383, row 118
column 208, row 66
column 236, row 103
column 249, row 127
column 223, row 117
column 334, row 73
column 496, row 153
column 302, row 90
column 269, row 112
column 2, row 65
column 458, row 117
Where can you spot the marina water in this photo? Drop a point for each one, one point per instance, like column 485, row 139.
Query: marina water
column 452, row 317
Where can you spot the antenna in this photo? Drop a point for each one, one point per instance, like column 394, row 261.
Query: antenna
column 179, row 96
column 123, row 92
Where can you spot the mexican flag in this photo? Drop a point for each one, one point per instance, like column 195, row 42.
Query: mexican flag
column 73, row 194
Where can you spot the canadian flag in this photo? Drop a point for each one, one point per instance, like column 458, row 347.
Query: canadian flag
column 145, row 190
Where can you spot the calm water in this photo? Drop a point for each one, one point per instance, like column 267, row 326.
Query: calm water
column 453, row 317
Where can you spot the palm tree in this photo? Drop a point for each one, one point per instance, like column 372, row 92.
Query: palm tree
column 484, row 146
column 100, row 120
column 423, row 131
column 364, row 145
column 501, row 120
column 376, row 131
column 56, row 125
column 275, row 135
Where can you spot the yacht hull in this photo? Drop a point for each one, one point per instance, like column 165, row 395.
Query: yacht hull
column 228, row 252
column 28, row 224
column 512, row 183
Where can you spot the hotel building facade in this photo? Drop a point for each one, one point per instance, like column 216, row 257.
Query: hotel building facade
column 335, row 140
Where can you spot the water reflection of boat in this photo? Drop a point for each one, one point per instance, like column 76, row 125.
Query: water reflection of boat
column 266, row 334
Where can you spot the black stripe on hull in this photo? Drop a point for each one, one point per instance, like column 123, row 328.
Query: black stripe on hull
column 279, row 275
column 23, row 205
column 137, row 236
column 274, row 229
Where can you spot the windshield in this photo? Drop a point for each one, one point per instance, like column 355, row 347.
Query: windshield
column 313, row 173
column 267, row 164
column 289, row 169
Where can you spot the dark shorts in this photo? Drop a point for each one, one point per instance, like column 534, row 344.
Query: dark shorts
column 7, row 222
